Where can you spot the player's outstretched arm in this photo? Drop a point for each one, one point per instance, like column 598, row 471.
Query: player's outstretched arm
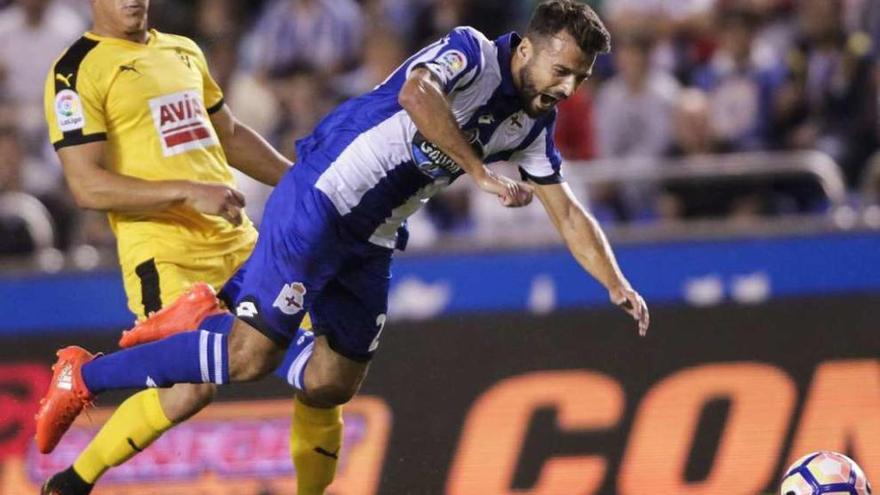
column 96, row 188
column 423, row 99
column 586, row 241
column 248, row 151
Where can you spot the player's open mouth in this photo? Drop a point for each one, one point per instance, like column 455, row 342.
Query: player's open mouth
column 548, row 100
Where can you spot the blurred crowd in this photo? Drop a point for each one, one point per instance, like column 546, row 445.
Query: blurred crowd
column 686, row 78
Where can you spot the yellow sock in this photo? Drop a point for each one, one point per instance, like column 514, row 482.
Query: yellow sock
column 135, row 424
column 315, row 439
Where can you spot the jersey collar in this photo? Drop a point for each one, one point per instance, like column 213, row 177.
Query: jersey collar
column 506, row 43
column 151, row 39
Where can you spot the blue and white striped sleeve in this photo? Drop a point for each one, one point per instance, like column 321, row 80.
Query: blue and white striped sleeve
column 540, row 161
column 456, row 60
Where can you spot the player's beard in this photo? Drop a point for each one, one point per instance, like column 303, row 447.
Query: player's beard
column 137, row 27
column 529, row 94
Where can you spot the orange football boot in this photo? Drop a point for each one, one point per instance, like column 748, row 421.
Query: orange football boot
column 66, row 398
column 182, row 315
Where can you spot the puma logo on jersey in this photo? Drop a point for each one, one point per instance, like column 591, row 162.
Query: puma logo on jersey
column 129, row 68
column 64, row 79
column 182, row 123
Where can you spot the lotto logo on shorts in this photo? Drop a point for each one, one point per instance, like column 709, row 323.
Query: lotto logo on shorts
column 182, row 122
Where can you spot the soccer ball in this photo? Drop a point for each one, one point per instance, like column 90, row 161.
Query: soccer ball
column 825, row 473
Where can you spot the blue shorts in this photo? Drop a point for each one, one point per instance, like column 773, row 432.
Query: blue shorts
column 306, row 262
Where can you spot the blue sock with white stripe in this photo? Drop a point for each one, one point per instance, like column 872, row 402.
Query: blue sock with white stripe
column 222, row 323
column 293, row 368
column 188, row 357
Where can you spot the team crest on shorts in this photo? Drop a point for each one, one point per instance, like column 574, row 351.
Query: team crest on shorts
column 290, row 299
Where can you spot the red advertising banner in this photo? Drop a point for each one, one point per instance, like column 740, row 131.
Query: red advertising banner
column 21, row 386
column 239, row 448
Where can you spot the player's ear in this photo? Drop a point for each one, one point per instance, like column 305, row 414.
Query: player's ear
column 526, row 49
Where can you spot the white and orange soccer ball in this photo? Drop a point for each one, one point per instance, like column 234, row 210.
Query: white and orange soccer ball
column 821, row 473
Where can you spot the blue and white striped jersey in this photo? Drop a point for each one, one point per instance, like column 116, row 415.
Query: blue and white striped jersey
column 368, row 158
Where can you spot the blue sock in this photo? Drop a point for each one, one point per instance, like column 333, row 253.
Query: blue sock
column 222, row 323
column 219, row 323
column 188, row 357
column 293, row 368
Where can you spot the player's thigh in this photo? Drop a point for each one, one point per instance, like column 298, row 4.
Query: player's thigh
column 150, row 285
column 350, row 311
column 275, row 288
column 252, row 354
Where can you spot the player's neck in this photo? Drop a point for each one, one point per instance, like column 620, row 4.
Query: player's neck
column 106, row 31
column 516, row 64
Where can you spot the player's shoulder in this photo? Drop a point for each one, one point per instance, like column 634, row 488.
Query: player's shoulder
column 176, row 41
column 471, row 34
column 77, row 56
column 473, row 43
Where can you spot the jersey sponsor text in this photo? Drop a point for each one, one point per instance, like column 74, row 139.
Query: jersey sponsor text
column 180, row 119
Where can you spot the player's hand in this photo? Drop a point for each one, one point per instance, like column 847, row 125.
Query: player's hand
column 511, row 193
column 633, row 303
column 215, row 199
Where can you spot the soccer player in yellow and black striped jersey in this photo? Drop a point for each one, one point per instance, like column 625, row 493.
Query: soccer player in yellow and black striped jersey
column 143, row 133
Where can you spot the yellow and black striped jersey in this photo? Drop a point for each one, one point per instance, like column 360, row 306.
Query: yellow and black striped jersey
column 151, row 103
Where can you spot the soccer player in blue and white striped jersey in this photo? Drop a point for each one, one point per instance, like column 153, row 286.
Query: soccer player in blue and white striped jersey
column 332, row 224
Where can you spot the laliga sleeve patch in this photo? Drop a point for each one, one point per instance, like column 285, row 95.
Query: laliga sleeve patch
column 452, row 63
column 69, row 111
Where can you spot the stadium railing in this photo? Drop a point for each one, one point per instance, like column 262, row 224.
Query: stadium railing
column 494, row 227
column 34, row 215
column 869, row 192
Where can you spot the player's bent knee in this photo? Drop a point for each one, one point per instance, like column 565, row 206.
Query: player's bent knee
column 331, row 378
column 201, row 395
column 330, row 394
column 251, row 354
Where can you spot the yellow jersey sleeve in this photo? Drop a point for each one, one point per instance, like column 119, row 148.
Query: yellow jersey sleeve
column 72, row 101
column 212, row 94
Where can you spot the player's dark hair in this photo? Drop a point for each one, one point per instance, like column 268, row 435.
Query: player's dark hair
column 573, row 17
